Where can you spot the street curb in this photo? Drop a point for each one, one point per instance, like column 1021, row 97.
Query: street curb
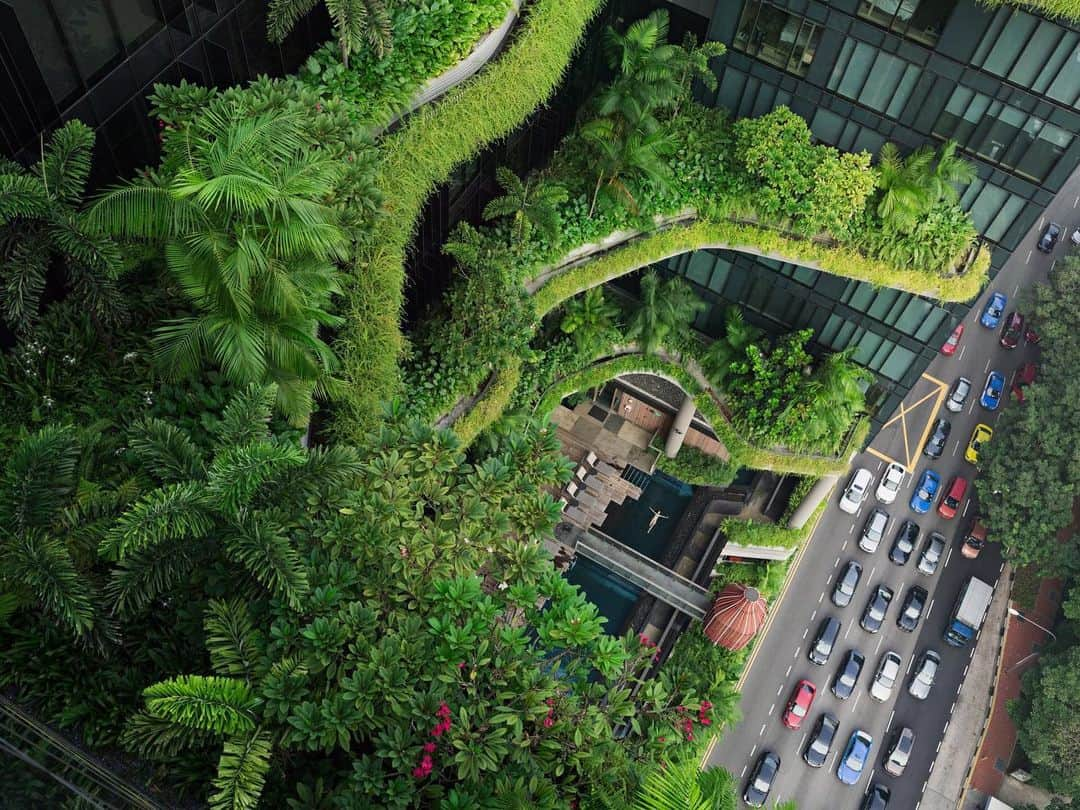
column 1002, row 641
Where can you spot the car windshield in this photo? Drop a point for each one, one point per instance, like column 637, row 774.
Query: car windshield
column 761, row 785
column 854, row 759
column 924, row 494
column 798, row 710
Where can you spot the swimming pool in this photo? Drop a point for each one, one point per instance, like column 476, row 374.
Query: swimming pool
column 613, row 596
column 629, row 523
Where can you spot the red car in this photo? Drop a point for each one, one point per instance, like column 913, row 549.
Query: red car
column 799, row 705
column 1013, row 329
column 1024, row 376
column 954, row 340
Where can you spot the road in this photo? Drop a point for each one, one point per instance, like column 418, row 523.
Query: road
column 781, row 660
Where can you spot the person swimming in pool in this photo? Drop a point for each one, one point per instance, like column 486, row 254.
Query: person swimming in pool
column 657, row 516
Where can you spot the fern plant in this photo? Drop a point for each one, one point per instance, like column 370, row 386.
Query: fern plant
column 357, row 23
column 529, row 203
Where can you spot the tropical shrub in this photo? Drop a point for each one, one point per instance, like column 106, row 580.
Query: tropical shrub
column 356, row 23
column 699, row 469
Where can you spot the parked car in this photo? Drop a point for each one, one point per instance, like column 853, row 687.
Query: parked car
column 848, row 674
column 953, row 497
column 922, row 677
column 877, row 798
column 761, row 779
column 899, row 752
column 885, row 677
column 854, row 758
column 991, row 395
column 855, row 492
column 873, row 530
column 891, row 481
column 958, row 395
column 948, row 348
column 1012, row 330
column 994, row 309
column 974, row 540
column 821, row 739
column 846, row 583
column 824, row 641
column 930, row 557
column 904, row 542
column 1050, row 236
column 935, row 445
column 876, row 608
column 911, row 610
column 923, row 496
column 1024, row 376
column 979, row 436
column 802, row 697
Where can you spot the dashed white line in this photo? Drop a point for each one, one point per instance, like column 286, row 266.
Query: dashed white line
column 938, row 749
column 1016, row 289
column 856, row 703
column 956, row 449
column 947, row 558
column 848, row 630
column 966, row 505
column 779, row 689
column 966, row 669
column 958, row 688
column 879, row 642
column 872, row 570
column 1053, row 264
column 852, row 529
column 1042, row 219
column 752, row 750
column 742, row 773
column 880, row 464
column 1076, row 202
column 1028, row 259
column 1000, row 569
column 987, row 366
column 835, row 564
column 910, row 664
column 796, row 655
column 929, row 609
column 971, row 408
column 844, row 547
column 962, row 350
column 762, row 730
column 804, row 632
column 788, row 673
column 821, row 598
column 812, row 615
column 771, row 709
column 836, row 756
column 889, row 724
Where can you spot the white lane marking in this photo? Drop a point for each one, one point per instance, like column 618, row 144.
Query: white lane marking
column 929, row 609
column 742, row 773
column 1052, row 265
column 835, row 756
column 871, row 779
column 966, row 505
column 962, row 350
column 947, row 558
column 836, row 563
column 971, row 408
column 956, row 449
column 796, row 655
column 752, row 750
column 788, row 673
column 771, row 709
column 1028, row 259
column 762, row 730
column 843, row 547
column 872, row 570
column 821, row 598
column 966, row 666
column 804, row 632
column 910, row 664
column 812, row 615
column 958, row 688
column 987, row 366
column 852, row 529
column 856, row 703
column 802, row 742
column 878, row 647
column 779, row 689
column 847, row 631
column 1076, row 202
column 1000, row 569
column 1016, row 289
column 1042, row 219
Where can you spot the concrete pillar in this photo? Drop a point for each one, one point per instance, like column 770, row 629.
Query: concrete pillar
column 679, row 425
column 818, row 492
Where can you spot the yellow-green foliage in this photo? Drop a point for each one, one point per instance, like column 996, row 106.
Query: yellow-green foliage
column 491, row 406
column 746, row 454
column 770, row 535
column 839, row 261
column 416, row 160
column 1069, row 9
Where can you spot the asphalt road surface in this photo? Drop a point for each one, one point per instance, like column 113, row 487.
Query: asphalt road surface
column 781, row 660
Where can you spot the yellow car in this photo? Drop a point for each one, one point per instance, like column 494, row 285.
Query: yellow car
column 979, row 436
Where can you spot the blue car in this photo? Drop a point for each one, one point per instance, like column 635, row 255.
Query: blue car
column 924, row 493
column 991, row 395
column 995, row 308
column 855, row 756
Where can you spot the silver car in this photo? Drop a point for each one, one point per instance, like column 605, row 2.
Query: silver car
column 958, row 395
column 923, row 676
column 885, row 677
column 874, row 530
column 898, row 754
column 931, row 554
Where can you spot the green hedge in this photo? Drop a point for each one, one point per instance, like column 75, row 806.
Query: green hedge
column 683, row 238
column 416, row 160
column 484, row 413
column 700, row 469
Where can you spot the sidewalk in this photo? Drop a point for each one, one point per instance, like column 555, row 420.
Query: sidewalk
column 1023, row 641
column 946, row 784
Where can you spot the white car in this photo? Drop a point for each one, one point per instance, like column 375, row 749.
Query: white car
column 856, row 490
column 891, row 481
column 885, row 677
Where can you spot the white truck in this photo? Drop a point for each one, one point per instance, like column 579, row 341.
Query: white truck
column 968, row 613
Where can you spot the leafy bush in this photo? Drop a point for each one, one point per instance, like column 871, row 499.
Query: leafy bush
column 700, row 469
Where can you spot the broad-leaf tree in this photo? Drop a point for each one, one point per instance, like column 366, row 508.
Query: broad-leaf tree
column 237, row 210
column 1048, row 720
column 358, row 24
column 42, row 226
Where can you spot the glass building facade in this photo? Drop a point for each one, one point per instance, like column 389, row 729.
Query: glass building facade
column 1004, row 83
column 96, row 60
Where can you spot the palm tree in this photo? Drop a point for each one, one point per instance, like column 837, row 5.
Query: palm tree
column 622, row 156
column 41, row 224
column 587, row 318
column 948, row 171
column 683, row 785
column 904, row 192
column 738, row 334
column 250, row 244
column 356, row 23
column 649, row 72
column 666, row 311
column 692, row 62
column 530, row 204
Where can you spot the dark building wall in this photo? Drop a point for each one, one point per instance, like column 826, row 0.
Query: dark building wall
column 96, row 60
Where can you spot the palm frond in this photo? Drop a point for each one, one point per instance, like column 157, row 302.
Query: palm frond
column 22, row 196
column 246, row 418
column 65, row 164
column 43, row 565
column 265, row 551
column 39, row 479
column 165, row 451
column 234, row 644
column 171, row 512
column 141, row 578
column 241, row 772
column 237, row 473
column 159, row 738
column 282, row 16
column 224, row 706
column 139, row 210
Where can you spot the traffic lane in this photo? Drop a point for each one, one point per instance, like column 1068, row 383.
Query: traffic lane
column 929, row 718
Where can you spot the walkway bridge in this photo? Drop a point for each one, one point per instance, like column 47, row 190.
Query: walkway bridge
column 633, row 566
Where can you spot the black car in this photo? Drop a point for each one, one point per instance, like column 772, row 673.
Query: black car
column 761, row 779
column 846, row 584
column 935, row 445
column 824, row 641
column 931, row 554
column 1049, row 237
column 821, row 740
column 877, row 798
column 848, row 674
column 904, row 544
column 876, row 607
column 912, row 609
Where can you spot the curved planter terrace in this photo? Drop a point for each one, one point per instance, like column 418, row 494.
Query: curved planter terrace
column 416, row 159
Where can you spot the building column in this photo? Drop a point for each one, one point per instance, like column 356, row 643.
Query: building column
column 818, row 492
column 679, row 425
